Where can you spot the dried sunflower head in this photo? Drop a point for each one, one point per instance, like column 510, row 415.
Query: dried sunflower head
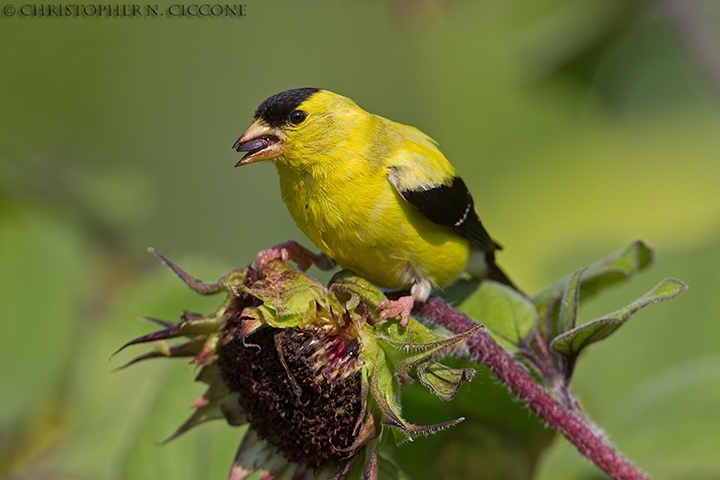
column 308, row 367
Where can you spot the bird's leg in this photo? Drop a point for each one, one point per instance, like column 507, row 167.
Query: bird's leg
column 292, row 250
column 401, row 307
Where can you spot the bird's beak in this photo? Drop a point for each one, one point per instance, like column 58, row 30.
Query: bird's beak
column 260, row 141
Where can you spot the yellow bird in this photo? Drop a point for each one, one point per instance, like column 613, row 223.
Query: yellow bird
column 375, row 196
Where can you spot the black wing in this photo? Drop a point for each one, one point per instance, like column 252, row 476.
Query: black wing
column 451, row 206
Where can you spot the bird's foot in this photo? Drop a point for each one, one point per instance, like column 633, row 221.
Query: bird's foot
column 396, row 308
column 292, row 250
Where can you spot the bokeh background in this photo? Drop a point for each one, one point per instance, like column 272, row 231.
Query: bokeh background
column 579, row 126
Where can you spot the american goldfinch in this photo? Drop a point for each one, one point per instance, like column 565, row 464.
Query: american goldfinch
column 375, row 196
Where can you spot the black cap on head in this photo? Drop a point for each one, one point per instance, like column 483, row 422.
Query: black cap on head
column 276, row 109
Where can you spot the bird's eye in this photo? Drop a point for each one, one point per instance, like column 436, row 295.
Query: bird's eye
column 298, row 116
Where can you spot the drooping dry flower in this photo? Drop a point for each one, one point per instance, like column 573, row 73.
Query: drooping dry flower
column 309, row 368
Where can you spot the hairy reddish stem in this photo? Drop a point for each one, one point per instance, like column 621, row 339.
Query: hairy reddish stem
column 588, row 439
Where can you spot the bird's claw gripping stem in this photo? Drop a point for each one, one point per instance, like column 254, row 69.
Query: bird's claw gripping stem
column 292, row 250
column 396, row 308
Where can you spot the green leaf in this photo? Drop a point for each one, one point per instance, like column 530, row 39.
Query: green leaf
column 442, row 380
column 567, row 317
column 424, row 345
column 572, row 342
column 383, row 378
column 385, row 391
column 499, row 439
column 613, row 269
column 508, row 316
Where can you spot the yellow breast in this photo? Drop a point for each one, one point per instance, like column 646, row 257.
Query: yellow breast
column 356, row 217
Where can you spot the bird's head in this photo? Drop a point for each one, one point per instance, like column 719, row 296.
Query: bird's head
column 297, row 127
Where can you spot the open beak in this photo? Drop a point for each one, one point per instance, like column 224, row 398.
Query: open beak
column 260, row 141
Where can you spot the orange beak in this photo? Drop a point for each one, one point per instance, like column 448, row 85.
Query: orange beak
column 260, row 141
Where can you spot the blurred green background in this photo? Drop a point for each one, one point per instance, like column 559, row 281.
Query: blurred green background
column 579, row 125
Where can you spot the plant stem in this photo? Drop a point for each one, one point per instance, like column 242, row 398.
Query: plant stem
column 573, row 424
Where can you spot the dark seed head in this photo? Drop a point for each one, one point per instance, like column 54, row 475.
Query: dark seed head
column 300, row 388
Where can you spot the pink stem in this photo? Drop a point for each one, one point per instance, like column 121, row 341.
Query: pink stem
column 588, row 439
